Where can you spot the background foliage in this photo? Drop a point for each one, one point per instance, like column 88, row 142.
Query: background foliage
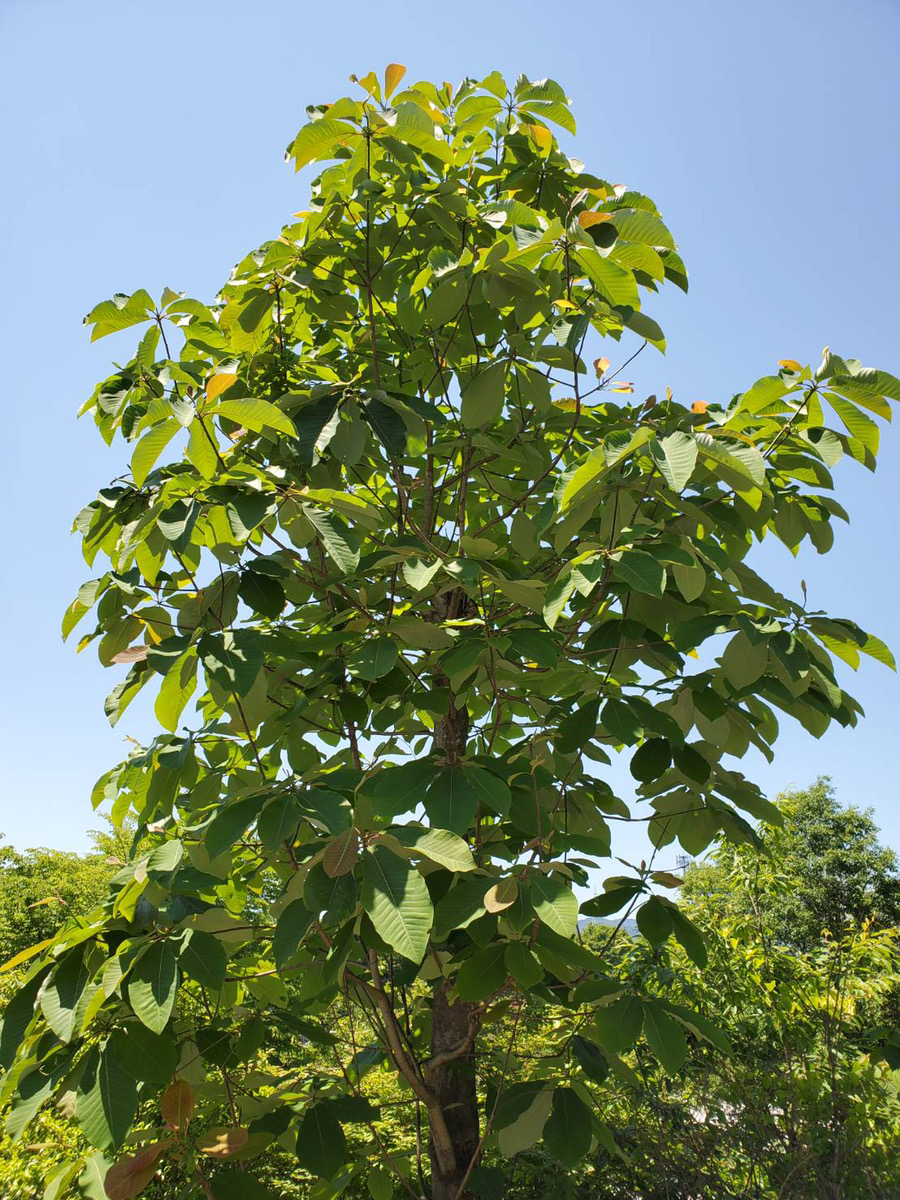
column 804, row 1105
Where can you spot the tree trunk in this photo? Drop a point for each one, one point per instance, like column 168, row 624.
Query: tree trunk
column 453, row 1084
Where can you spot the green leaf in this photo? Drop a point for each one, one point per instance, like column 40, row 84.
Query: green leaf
column 17, row 1016
column 482, row 974
column 176, row 689
column 232, row 659
column 555, row 904
column 665, row 1038
column 320, row 139
column 337, row 538
column 654, row 920
column 676, row 457
column 332, row 897
column 592, row 1061
column 150, row 447
column 524, row 1109
column 613, row 282
column 145, row 1056
column 397, row 902
column 489, row 789
column 259, row 416
column 858, row 425
column 744, row 661
column 290, row 930
column 61, row 1001
column 201, row 448
column 278, row 821
column 321, row 1144
column 689, row 936
column 567, row 1133
column 651, row 759
column 439, row 845
column 262, row 593
column 109, row 316
column 373, row 659
column 639, row 225
column 387, row 425
column 523, row 966
column 618, row 1025
column 106, row 1100
column 229, row 824
column 153, row 984
column 451, row 802
column 463, row 904
column 203, row 958
column 482, row 399
column 640, row 571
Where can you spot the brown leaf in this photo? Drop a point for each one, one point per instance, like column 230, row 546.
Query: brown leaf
column 223, row 1142
column 129, row 1176
column 132, row 655
column 177, row 1104
column 341, row 854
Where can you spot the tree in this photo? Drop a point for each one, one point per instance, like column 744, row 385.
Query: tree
column 431, row 568
column 825, row 872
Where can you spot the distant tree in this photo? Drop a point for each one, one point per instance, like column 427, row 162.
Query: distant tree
column 40, row 889
column 834, row 871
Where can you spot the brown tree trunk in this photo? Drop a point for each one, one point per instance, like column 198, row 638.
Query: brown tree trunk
column 453, row 1084
column 451, row 1075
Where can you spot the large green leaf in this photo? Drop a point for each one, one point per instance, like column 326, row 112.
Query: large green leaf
column 106, row 1100
column 397, row 902
column 440, row 845
column 451, row 802
column 203, row 958
column 482, row 398
column 321, row 1144
column 676, row 457
column 567, row 1133
column 153, row 984
column 482, row 974
column 320, row 139
column 259, row 416
column 555, row 904
column 145, row 1056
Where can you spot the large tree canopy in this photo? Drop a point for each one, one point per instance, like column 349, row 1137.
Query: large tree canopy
column 405, row 568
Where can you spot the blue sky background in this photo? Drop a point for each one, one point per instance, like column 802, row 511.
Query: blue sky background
column 142, row 147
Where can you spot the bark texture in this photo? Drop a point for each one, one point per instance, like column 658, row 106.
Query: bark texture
column 453, row 1085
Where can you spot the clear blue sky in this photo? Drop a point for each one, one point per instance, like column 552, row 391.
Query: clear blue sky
column 142, row 147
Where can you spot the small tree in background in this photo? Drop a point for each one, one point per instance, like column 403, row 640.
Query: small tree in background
column 406, row 567
column 833, row 873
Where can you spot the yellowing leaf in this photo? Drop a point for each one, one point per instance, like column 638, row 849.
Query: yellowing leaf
column 587, row 219
column 601, row 366
column 699, row 406
column 502, row 895
column 542, row 137
column 790, row 363
column 393, row 73
column 622, row 388
column 219, row 384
